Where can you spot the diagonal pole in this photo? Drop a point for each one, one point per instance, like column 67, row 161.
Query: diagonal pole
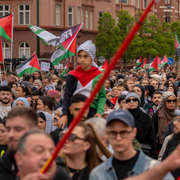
column 119, row 54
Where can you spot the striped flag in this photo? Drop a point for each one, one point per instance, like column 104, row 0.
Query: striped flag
column 65, row 69
column 176, row 41
column 29, row 66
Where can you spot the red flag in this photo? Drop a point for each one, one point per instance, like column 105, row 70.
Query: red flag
column 35, row 62
column 6, row 27
column 1, row 53
column 105, row 65
column 143, row 63
column 156, row 62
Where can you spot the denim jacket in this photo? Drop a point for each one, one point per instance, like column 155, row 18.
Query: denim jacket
column 105, row 171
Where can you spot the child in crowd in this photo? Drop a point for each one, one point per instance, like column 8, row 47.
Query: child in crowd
column 82, row 81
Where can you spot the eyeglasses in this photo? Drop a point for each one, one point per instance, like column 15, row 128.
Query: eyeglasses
column 169, row 100
column 123, row 134
column 134, row 100
column 71, row 138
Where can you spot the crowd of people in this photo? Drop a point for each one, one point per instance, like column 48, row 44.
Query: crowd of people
column 130, row 131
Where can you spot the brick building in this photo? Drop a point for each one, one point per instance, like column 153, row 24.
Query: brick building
column 56, row 16
column 167, row 10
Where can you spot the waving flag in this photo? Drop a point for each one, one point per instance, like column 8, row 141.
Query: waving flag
column 176, row 41
column 164, row 61
column 28, row 66
column 104, row 66
column 65, row 69
column 66, row 48
column 139, row 61
column 155, row 64
column 6, row 26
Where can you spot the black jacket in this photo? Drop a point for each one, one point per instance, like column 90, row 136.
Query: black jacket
column 169, row 129
column 146, row 133
column 8, row 168
column 171, row 146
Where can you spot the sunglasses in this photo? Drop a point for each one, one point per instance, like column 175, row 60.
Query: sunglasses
column 134, row 100
column 71, row 138
column 169, row 100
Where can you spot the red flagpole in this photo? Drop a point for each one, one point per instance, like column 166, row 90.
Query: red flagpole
column 119, row 54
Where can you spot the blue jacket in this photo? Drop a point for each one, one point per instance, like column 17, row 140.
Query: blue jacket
column 105, row 171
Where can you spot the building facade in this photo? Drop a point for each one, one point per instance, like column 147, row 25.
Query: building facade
column 58, row 15
column 168, row 10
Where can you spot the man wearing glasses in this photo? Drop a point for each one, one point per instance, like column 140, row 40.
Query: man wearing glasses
column 126, row 161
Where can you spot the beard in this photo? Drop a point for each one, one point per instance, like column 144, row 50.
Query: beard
column 5, row 102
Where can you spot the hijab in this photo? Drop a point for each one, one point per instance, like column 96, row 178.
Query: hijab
column 24, row 100
column 143, row 104
column 48, row 118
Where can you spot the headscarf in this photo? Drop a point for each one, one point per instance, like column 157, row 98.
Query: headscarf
column 24, row 100
column 143, row 104
column 165, row 115
column 90, row 48
column 135, row 112
column 60, row 110
column 49, row 121
column 164, row 96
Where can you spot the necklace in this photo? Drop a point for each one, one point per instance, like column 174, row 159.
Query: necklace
column 72, row 174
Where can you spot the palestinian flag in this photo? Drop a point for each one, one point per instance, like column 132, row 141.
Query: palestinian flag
column 104, row 66
column 66, row 48
column 1, row 53
column 44, row 35
column 155, row 64
column 6, row 26
column 28, row 66
column 139, row 61
column 176, row 41
column 164, row 60
column 141, row 66
column 65, row 69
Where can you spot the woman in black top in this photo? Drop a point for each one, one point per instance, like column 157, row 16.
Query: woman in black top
column 143, row 123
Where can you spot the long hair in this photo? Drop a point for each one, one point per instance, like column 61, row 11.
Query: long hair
column 92, row 158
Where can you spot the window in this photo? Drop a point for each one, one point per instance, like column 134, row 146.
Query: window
column 100, row 14
column 87, row 19
column 126, row 2
column 78, row 15
column 82, row 16
column 168, row 17
column 24, row 50
column 58, row 18
column 24, row 14
column 4, row 10
column 167, row 2
column 117, row 1
column 138, row 4
column 145, row 3
column 6, row 50
column 91, row 19
column 132, row 2
column 70, row 16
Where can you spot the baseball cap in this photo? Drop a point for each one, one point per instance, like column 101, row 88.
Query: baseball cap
column 121, row 115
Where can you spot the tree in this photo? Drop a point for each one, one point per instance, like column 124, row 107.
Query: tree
column 125, row 24
column 108, row 38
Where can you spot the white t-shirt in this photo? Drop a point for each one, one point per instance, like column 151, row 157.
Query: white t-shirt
column 4, row 111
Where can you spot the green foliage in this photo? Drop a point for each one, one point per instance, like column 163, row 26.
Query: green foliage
column 108, row 38
column 151, row 39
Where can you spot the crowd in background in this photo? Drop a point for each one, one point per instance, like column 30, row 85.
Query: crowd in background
column 131, row 125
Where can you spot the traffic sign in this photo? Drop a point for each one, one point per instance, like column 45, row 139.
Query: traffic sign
column 170, row 60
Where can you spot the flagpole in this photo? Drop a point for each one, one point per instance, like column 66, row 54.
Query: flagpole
column 3, row 60
column 12, row 42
